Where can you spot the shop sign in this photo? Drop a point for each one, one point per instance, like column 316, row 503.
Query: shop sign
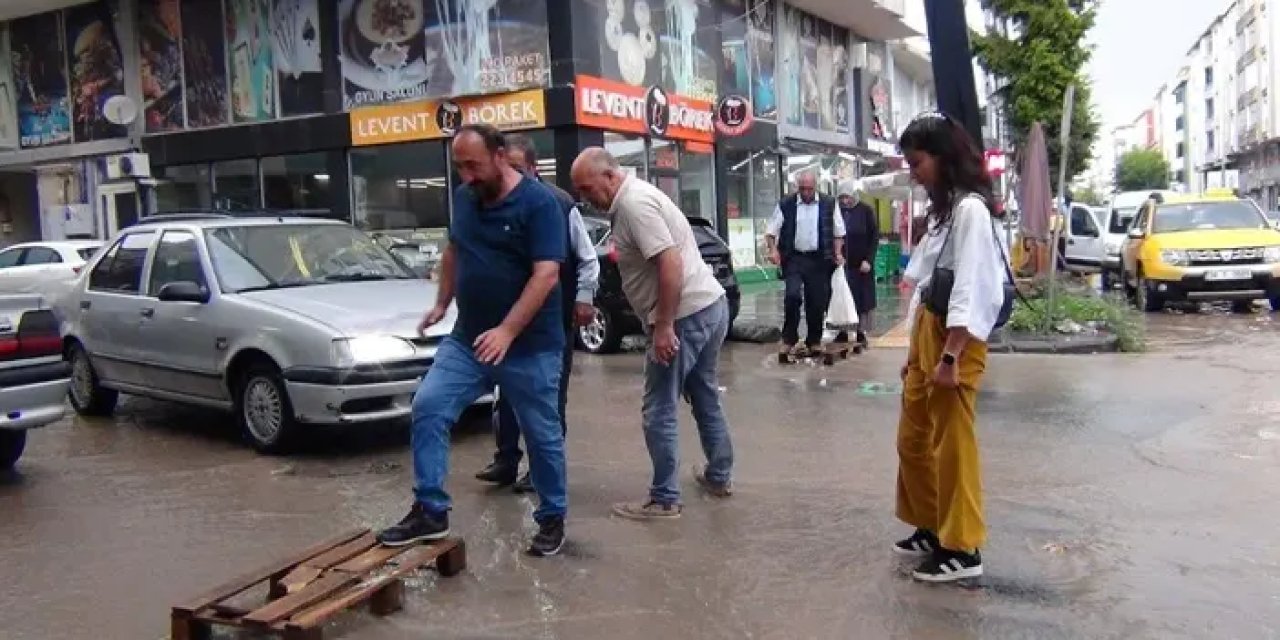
column 430, row 119
column 616, row 106
column 733, row 115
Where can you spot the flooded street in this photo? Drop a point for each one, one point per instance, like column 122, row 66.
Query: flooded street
column 1128, row 496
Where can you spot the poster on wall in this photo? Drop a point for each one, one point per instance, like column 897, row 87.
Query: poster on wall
column 204, row 63
column 397, row 50
column 668, row 43
column 689, row 66
column 249, row 54
column 839, row 88
column 97, row 73
column 39, row 77
column 8, row 97
column 760, row 51
column 876, row 105
column 810, row 94
column 792, row 59
column 817, row 96
column 160, row 61
column 295, row 38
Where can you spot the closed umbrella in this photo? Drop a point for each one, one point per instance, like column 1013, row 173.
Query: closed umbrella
column 1034, row 195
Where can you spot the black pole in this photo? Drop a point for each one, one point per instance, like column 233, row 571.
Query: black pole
column 953, row 64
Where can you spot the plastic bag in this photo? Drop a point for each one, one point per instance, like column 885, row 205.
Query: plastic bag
column 841, row 313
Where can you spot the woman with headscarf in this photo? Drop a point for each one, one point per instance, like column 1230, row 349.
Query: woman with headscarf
column 861, row 241
column 959, row 273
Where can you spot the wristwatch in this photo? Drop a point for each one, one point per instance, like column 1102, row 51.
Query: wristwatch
column 949, row 359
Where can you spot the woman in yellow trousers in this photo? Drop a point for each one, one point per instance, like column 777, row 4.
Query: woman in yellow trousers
column 939, row 479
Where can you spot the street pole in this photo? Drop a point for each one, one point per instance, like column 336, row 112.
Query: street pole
column 1064, row 135
column 953, row 64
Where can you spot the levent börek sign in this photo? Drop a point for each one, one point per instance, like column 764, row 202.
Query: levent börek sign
column 616, row 106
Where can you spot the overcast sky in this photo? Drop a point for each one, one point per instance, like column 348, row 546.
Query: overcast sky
column 1138, row 45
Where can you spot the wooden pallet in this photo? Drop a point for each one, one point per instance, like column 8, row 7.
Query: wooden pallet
column 306, row 591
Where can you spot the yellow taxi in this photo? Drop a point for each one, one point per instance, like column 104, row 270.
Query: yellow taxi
column 1213, row 246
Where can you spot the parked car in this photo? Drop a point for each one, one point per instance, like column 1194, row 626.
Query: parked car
column 38, row 267
column 288, row 322
column 1208, row 247
column 33, row 375
column 1082, row 245
column 1120, row 212
column 614, row 318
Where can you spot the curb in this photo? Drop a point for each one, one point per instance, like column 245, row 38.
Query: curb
column 1064, row 345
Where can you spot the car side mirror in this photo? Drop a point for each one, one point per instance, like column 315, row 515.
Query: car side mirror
column 184, row 291
column 1137, row 234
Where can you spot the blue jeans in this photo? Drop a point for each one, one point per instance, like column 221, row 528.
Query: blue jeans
column 505, row 429
column 692, row 374
column 456, row 379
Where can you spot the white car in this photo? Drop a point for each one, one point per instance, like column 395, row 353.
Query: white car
column 44, row 267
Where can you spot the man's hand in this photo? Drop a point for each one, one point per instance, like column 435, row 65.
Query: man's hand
column 433, row 317
column 946, row 376
column 665, row 344
column 491, row 347
column 583, row 313
column 775, row 257
column 865, row 267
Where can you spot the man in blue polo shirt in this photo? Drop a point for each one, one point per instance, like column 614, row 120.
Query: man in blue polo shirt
column 506, row 244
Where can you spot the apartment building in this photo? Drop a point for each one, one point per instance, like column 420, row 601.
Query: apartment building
column 1257, row 117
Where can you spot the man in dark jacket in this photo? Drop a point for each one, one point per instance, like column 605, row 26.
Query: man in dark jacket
column 578, row 283
column 805, row 237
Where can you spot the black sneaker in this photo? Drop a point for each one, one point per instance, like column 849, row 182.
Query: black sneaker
column 498, row 473
column 920, row 544
column 417, row 526
column 549, row 539
column 862, row 340
column 524, row 484
column 946, row 565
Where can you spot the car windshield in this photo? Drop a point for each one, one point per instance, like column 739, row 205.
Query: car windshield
column 419, row 258
column 1121, row 217
column 254, row 257
column 1208, row 216
column 597, row 229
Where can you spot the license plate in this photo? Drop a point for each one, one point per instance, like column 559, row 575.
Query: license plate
column 1218, row 275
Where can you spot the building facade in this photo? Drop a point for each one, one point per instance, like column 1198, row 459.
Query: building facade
column 112, row 110
column 1257, row 26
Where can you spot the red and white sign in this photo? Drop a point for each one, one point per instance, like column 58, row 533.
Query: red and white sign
column 997, row 164
column 616, row 106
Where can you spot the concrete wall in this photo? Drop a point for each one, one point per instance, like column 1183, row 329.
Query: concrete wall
column 18, row 189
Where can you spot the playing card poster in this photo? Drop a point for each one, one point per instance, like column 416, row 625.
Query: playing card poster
column 40, row 78
column 295, row 37
column 250, row 60
column 398, row 50
column 160, row 58
column 97, row 73
column 204, row 63
column 669, row 43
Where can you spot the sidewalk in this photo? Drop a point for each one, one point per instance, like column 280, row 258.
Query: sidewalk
column 762, row 308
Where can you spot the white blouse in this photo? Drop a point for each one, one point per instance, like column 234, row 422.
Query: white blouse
column 978, row 262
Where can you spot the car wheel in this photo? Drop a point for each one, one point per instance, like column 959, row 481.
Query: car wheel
column 263, row 410
column 1146, row 299
column 87, row 395
column 601, row 334
column 12, row 444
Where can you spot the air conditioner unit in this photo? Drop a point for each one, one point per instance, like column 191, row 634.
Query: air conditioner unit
column 128, row 165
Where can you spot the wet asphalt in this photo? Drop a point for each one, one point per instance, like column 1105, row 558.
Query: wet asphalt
column 1128, row 496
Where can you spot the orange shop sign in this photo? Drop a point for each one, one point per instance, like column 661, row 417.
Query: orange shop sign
column 616, row 106
column 430, row 119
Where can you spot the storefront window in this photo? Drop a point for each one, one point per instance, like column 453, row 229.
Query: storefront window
column 698, row 182
column 738, row 203
column 664, row 167
column 297, row 182
column 235, row 185
column 401, row 190
column 184, row 187
column 630, row 152
column 765, row 188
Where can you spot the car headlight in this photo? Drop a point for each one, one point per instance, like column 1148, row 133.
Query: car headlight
column 1174, row 257
column 349, row 352
column 1271, row 254
column 1113, row 248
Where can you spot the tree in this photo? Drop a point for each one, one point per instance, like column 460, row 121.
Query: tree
column 1037, row 47
column 1088, row 195
column 1142, row 169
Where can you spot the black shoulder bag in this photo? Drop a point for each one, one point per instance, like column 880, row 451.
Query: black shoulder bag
column 937, row 296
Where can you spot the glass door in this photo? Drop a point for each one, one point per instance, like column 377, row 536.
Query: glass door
column 118, row 207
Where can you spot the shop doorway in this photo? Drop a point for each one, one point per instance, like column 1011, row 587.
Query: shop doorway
column 119, row 207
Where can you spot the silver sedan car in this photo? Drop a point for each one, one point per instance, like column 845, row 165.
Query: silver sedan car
column 285, row 321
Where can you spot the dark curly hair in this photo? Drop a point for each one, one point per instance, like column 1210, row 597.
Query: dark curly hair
column 960, row 164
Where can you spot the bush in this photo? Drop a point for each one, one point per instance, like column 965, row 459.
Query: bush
column 1110, row 311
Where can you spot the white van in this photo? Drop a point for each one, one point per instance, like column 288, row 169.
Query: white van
column 1117, row 215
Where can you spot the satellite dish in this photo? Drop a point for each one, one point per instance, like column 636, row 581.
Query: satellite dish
column 120, row 110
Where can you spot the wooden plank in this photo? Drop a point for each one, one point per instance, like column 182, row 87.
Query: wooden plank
column 314, row 592
column 244, row 582
column 406, row 563
column 374, row 557
column 389, row 599
column 182, row 626
column 311, row 569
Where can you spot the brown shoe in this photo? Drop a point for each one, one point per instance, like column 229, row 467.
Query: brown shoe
column 647, row 510
column 715, row 489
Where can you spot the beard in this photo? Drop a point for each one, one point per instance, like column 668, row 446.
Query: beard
column 488, row 190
